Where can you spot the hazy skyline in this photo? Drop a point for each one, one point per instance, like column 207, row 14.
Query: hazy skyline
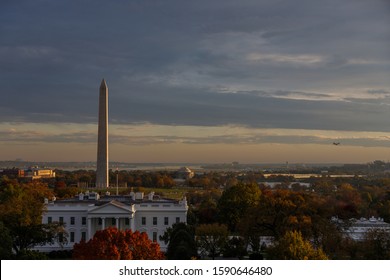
column 196, row 81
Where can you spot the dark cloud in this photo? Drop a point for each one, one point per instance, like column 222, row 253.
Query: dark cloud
column 282, row 64
column 210, row 108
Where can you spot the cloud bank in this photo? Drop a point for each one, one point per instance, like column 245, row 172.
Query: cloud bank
column 295, row 65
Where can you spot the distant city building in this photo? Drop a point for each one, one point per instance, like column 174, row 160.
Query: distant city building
column 89, row 212
column 30, row 173
column 184, row 173
column 38, row 173
column 12, row 172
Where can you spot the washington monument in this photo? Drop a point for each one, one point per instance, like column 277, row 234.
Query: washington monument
column 102, row 147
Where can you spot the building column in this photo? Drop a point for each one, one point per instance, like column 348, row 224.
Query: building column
column 117, row 223
column 103, row 223
column 132, row 223
column 89, row 229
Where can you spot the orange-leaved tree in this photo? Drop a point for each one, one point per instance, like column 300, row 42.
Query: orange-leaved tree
column 114, row 244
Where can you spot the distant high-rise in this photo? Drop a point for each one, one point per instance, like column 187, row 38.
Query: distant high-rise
column 102, row 147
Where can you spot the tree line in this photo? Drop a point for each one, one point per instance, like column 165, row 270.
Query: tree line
column 236, row 221
column 253, row 214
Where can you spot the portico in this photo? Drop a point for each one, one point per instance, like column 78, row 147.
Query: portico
column 111, row 214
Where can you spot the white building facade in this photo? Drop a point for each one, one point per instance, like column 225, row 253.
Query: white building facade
column 359, row 228
column 84, row 215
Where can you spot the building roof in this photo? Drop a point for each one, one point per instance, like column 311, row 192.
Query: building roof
column 184, row 170
column 120, row 200
column 371, row 222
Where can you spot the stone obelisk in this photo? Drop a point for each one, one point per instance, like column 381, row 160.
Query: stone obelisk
column 102, row 147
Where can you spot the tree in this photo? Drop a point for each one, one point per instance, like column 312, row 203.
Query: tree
column 207, row 211
column 292, row 246
column 62, row 191
column 277, row 212
column 348, row 202
column 284, row 210
column 280, row 211
column 26, row 237
column 211, row 239
column 31, row 255
column 250, row 231
column 235, row 201
column 5, row 243
column 114, row 244
column 235, row 248
column 376, row 245
column 22, row 204
column 181, row 242
column 21, row 208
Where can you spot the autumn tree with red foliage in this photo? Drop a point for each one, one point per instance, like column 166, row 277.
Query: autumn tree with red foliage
column 114, row 244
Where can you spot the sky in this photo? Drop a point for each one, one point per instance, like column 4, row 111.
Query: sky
column 253, row 81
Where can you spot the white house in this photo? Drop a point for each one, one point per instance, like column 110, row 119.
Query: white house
column 90, row 212
column 359, row 228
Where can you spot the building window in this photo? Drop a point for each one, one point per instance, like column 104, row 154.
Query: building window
column 100, row 221
column 155, row 221
column 177, row 220
column 166, row 221
column 143, row 221
column 127, row 221
column 83, row 235
column 49, row 220
column 154, row 236
column 72, row 219
column 61, row 220
column 113, row 221
column 71, row 236
column 84, row 221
